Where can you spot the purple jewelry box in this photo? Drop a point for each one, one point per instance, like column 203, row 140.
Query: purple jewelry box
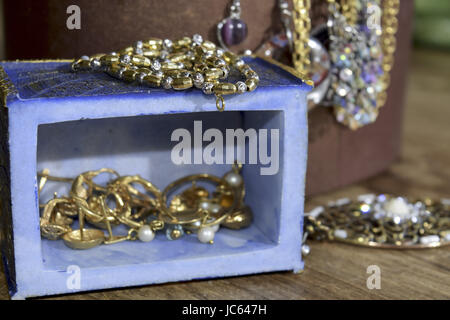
column 74, row 122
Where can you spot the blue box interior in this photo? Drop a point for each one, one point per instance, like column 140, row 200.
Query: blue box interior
column 142, row 145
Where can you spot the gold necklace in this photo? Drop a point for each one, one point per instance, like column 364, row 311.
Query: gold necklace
column 178, row 65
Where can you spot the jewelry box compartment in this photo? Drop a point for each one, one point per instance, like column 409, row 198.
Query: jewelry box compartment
column 71, row 123
column 142, row 145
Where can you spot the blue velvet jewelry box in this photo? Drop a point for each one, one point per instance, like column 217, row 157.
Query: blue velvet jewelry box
column 73, row 122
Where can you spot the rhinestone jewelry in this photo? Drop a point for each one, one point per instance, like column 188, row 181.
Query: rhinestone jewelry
column 207, row 88
column 382, row 221
column 179, row 65
column 241, row 87
column 355, row 72
column 167, row 83
column 356, row 58
column 198, row 80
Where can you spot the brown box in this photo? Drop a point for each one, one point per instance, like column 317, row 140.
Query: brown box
column 337, row 155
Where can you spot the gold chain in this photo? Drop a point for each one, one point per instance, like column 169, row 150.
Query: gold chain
column 349, row 10
column 6, row 87
column 389, row 23
column 302, row 28
column 179, row 65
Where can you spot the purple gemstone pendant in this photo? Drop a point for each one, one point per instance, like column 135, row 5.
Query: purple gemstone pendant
column 234, row 31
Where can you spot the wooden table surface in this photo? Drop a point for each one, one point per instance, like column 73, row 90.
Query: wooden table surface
column 339, row 271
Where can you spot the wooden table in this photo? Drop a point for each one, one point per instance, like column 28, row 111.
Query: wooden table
column 339, row 271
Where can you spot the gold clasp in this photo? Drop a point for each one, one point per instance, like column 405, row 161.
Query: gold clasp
column 220, row 102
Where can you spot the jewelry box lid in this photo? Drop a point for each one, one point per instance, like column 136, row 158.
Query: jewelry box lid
column 54, row 79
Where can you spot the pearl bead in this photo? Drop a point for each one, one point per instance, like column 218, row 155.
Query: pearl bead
column 146, row 234
column 305, row 250
column 233, row 179
column 206, row 235
column 340, row 233
column 397, row 207
column 205, row 205
column 430, row 239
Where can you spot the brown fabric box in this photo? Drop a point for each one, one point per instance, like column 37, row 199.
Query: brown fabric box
column 337, row 155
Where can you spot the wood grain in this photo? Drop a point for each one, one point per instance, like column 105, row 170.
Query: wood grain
column 338, row 271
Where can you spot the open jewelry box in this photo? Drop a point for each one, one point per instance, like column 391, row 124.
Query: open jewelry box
column 70, row 123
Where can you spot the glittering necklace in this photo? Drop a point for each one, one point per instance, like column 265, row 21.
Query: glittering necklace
column 381, row 221
column 352, row 76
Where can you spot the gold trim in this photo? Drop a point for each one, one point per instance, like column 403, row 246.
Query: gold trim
column 6, row 87
column 292, row 71
column 287, row 68
column 39, row 60
column 373, row 244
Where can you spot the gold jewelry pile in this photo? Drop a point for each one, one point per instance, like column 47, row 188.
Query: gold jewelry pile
column 140, row 206
column 177, row 65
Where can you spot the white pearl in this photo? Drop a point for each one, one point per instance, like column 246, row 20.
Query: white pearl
column 340, row 233
column 146, row 233
column 315, row 212
column 205, row 205
column 206, row 235
column 397, row 207
column 305, row 249
column 233, row 179
column 430, row 239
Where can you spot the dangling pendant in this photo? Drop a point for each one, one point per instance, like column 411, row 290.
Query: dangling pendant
column 319, row 70
column 356, row 71
column 281, row 46
column 232, row 30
